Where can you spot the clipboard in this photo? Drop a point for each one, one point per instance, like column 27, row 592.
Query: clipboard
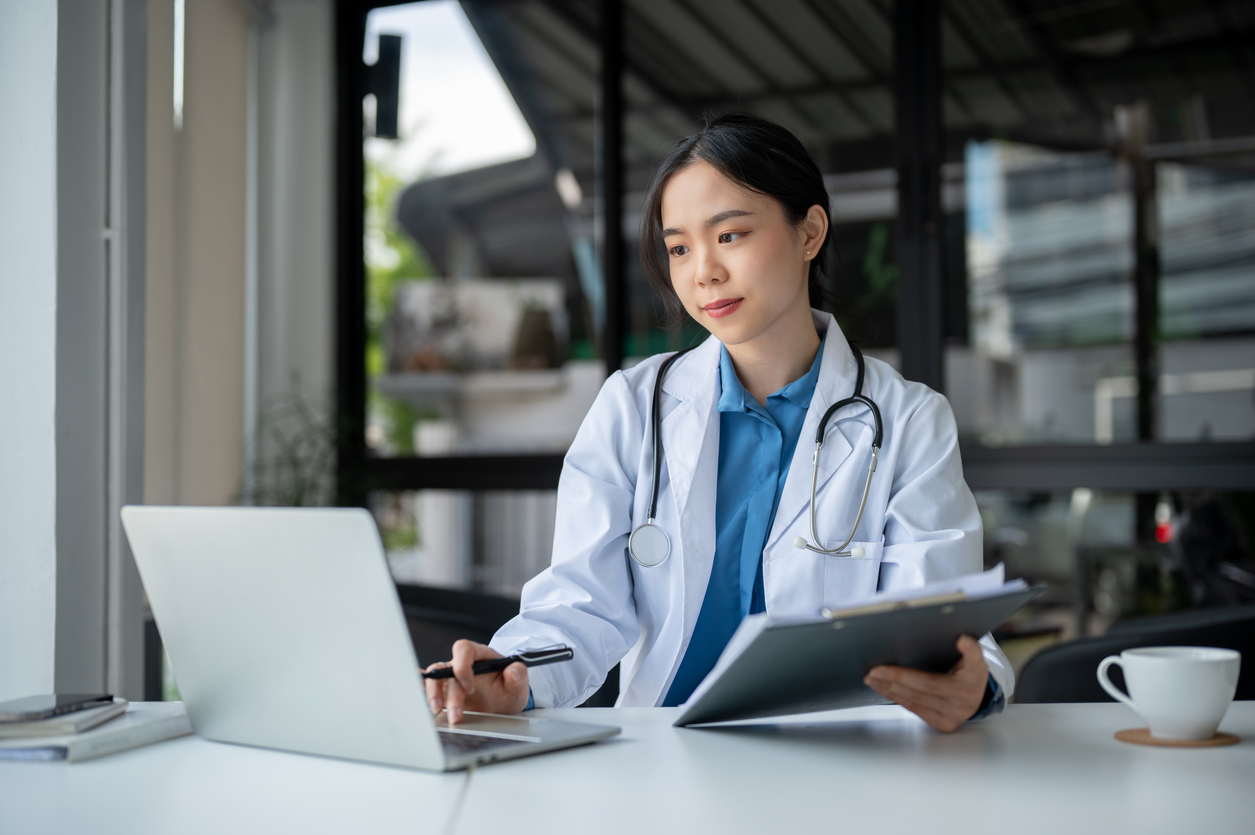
column 806, row 665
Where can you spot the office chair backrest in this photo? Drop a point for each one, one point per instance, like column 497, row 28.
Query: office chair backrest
column 437, row 617
column 1067, row 672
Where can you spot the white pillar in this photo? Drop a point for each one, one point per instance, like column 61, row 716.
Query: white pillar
column 28, row 346
column 71, row 343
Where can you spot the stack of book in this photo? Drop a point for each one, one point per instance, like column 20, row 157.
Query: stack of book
column 95, row 730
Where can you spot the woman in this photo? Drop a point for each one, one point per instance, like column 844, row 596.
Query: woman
column 735, row 231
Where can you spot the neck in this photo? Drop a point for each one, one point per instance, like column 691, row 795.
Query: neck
column 771, row 361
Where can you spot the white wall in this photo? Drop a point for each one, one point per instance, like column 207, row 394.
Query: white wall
column 70, row 606
column 28, row 306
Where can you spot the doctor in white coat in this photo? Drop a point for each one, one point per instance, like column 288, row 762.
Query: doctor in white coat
column 735, row 230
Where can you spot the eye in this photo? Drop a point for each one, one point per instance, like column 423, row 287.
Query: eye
column 678, row 250
column 729, row 237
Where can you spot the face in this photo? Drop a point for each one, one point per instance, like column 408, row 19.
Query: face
column 737, row 264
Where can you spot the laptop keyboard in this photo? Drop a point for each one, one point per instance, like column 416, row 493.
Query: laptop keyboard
column 455, row 743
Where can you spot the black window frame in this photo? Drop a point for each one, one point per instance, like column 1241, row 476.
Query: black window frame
column 918, row 82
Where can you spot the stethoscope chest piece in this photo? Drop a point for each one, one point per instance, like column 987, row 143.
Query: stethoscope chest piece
column 649, row 544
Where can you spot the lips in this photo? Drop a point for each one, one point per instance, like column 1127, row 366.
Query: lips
column 723, row 307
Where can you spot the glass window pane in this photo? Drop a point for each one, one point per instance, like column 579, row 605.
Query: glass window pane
column 487, row 540
column 1082, row 545
column 481, row 274
column 1207, row 303
column 1050, row 304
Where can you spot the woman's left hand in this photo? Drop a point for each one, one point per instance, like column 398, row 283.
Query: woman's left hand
column 943, row 700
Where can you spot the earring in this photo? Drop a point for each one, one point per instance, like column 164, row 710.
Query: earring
column 808, row 252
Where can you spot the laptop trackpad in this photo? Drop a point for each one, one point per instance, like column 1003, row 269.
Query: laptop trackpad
column 490, row 724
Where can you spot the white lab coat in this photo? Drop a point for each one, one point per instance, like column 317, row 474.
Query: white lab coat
column 921, row 523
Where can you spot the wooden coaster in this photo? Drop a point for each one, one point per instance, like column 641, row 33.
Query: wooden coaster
column 1141, row 736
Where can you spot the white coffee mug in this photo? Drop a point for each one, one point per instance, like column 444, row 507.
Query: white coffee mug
column 1181, row 692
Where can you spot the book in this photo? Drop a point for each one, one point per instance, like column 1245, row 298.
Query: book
column 143, row 723
column 779, row 665
column 66, row 723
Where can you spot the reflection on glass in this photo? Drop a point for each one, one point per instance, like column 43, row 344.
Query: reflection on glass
column 1050, row 305
column 1050, row 299
column 491, row 540
column 1207, row 304
column 1081, row 544
column 481, row 271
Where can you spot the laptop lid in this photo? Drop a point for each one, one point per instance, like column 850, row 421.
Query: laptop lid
column 284, row 630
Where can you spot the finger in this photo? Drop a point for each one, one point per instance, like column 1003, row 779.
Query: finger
column 917, row 679
column 464, row 656
column 434, row 688
column 970, row 649
column 940, row 715
column 454, row 699
column 953, row 697
column 434, row 696
column 911, row 688
column 514, row 683
column 971, row 666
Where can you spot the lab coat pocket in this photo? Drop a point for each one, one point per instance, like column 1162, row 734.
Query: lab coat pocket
column 846, row 578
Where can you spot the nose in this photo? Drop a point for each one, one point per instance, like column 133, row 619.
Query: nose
column 710, row 269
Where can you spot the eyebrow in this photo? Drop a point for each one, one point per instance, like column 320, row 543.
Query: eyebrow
column 714, row 220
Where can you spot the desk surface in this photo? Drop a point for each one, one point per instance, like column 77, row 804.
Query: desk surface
column 1037, row 768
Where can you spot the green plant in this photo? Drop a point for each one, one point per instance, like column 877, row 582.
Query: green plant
column 297, row 437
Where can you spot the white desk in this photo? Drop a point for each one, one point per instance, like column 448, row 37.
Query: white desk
column 1037, row 768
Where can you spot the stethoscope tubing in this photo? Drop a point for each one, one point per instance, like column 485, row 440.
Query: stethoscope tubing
column 651, row 533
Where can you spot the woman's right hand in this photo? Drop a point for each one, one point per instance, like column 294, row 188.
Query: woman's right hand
column 503, row 692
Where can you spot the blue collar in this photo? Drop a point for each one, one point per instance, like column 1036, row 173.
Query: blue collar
column 735, row 398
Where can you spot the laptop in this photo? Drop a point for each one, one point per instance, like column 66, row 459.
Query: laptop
column 284, row 629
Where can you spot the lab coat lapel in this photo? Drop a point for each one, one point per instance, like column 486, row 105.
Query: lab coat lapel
column 837, row 373
column 690, row 439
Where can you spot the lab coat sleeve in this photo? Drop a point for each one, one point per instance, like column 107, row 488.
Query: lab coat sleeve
column 932, row 525
column 584, row 598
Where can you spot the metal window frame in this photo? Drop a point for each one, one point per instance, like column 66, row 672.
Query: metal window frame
column 918, row 89
column 357, row 472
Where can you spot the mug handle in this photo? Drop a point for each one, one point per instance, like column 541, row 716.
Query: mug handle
column 1111, row 689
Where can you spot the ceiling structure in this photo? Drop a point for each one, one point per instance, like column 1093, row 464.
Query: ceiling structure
column 1040, row 71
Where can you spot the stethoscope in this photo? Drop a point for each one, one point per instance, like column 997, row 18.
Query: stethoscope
column 649, row 544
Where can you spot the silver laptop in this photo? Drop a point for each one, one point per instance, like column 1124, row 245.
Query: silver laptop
column 284, row 631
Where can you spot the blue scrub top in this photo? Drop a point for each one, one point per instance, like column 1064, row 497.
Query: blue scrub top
column 756, row 444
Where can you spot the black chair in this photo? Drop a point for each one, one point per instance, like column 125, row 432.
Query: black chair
column 1067, row 672
column 437, row 617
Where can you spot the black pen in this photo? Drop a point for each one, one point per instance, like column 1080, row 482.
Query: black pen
column 531, row 658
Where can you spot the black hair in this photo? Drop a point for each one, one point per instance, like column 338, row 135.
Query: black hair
column 758, row 155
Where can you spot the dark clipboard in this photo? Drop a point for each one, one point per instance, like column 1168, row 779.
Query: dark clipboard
column 819, row 665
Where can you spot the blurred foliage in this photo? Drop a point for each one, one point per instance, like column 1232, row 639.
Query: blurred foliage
column 879, row 270
column 392, row 257
column 296, row 464
column 397, row 519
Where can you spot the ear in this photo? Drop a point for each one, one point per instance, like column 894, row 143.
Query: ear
column 814, row 229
